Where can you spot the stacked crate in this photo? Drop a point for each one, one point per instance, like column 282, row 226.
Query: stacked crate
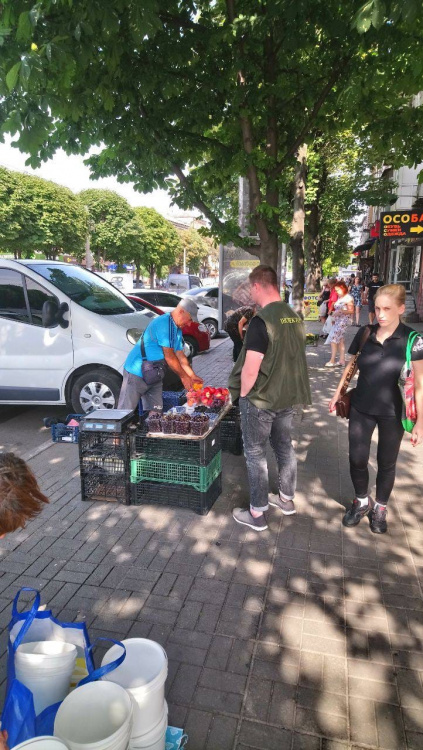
column 104, row 460
column 231, row 434
column 185, row 473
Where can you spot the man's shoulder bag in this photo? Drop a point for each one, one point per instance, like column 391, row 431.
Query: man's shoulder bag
column 152, row 372
column 343, row 405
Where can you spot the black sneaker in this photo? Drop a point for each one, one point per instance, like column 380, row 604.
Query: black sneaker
column 377, row 518
column 244, row 517
column 354, row 515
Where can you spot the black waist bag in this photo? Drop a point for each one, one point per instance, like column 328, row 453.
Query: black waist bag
column 152, row 372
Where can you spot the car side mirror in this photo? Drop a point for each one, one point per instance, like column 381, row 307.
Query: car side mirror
column 52, row 314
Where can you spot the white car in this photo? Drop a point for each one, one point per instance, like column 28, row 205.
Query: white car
column 64, row 336
column 206, row 295
column 168, row 301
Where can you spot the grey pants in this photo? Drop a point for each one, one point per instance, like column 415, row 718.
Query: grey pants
column 134, row 388
column 258, row 426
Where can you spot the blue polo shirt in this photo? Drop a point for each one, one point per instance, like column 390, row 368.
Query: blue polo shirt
column 161, row 332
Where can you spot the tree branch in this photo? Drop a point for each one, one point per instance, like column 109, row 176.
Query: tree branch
column 312, row 117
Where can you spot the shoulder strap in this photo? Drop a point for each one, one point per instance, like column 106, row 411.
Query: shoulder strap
column 143, row 354
column 353, row 363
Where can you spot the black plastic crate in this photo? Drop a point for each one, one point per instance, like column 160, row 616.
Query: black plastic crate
column 105, row 487
column 104, row 444
column 231, row 434
column 197, row 452
column 176, row 495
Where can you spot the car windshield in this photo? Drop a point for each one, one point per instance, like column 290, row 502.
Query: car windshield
column 85, row 288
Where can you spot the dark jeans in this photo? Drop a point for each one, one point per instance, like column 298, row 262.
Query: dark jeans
column 258, row 426
column 238, row 343
column 361, row 428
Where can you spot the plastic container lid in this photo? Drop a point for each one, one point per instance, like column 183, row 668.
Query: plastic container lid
column 145, row 665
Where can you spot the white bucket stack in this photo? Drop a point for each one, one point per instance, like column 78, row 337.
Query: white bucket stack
column 41, row 743
column 143, row 674
column 96, row 716
column 45, row 668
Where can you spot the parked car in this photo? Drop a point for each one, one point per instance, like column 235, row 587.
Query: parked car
column 196, row 335
column 65, row 335
column 180, row 282
column 167, row 302
column 207, row 295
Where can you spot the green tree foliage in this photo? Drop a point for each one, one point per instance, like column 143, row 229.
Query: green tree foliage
column 340, row 184
column 189, row 94
column 159, row 242
column 196, row 248
column 39, row 215
column 112, row 224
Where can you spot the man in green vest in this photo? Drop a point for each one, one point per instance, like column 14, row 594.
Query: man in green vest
column 269, row 377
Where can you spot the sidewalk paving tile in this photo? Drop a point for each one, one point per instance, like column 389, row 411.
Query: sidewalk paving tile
column 307, row 638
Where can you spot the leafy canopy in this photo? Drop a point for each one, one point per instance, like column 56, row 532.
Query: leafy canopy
column 188, row 94
column 39, row 215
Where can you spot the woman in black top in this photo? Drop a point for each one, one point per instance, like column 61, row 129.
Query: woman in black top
column 377, row 401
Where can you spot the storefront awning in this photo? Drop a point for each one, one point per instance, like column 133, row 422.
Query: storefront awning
column 365, row 246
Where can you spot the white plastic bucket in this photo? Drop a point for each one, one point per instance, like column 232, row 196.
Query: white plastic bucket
column 41, row 743
column 143, row 673
column 48, row 684
column 155, row 739
column 97, row 716
column 46, row 653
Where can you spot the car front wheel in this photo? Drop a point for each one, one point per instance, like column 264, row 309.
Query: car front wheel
column 98, row 389
column 211, row 325
column 192, row 344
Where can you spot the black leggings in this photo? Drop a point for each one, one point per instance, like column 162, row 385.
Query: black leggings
column 361, row 428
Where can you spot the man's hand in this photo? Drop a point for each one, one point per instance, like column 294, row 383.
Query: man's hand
column 197, row 379
column 3, row 740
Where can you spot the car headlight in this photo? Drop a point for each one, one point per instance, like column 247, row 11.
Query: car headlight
column 202, row 328
column 133, row 335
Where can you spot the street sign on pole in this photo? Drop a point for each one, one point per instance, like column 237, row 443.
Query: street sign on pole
column 402, row 225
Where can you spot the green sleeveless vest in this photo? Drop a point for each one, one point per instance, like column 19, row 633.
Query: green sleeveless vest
column 283, row 377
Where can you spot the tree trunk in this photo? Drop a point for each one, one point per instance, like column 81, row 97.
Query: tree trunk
column 269, row 251
column 297, row 231
column 314, row 243
column 152, row 274
column 138, row 273
column 314, row 259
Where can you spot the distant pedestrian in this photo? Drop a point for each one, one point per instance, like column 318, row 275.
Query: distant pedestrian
column 269, row 377
column 322, row 301
column 342, row 318
column 357, row 291
column 372, row 287
column 377, row 402
column 333, row 294
column 234, row 326
column 20, row 496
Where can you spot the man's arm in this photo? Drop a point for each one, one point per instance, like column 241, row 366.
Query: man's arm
column 183, row 361
column 173, row 360
column 250, row 371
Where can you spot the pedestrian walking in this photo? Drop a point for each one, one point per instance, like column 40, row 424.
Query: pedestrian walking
column 160, row 345
column 356, row 292
column 372, row 287
column 333, row 294
column 322, row 301
column 234, row 326
column 342, row 318
column 20, row 496
column 269, row 377
column 377, row 401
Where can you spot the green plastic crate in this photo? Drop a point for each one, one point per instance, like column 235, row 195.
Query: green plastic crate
column 199, row 477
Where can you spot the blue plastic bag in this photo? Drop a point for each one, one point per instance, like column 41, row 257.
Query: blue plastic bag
column 18, row 716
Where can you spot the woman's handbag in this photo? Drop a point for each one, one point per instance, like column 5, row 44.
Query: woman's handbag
column 343, row 405
column 152, row 372
column 406, row 386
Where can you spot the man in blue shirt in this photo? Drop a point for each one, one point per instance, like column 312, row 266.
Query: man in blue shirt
column 161, row 343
